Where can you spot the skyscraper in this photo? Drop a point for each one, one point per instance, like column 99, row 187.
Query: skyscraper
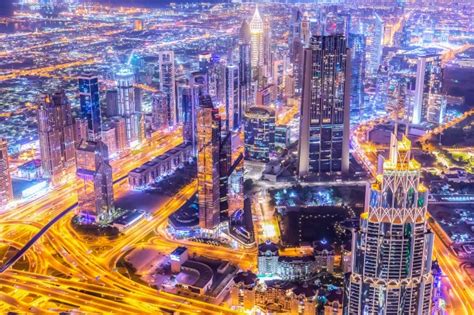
column 232, row 98
column 126, row 105
column 56, row 134
column 357, row 46
column 184, row 100
column 374, row 37
column 245, row 66
column 225, row 160
column 429, row 102
column 256, row 40
column 324, row 117
column 199, row 87
column 167, row 84
column 90, row 103
column 159, row 111
column 95, row 195
column 208, row 143
column 392, row 248
column 259, row 133
column 6, row 191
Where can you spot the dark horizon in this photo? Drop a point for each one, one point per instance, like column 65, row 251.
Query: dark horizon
column 6, row 8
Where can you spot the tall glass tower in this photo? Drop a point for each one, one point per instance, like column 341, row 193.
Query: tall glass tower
column 90, row 103
column 392, row 248
column 324, row 113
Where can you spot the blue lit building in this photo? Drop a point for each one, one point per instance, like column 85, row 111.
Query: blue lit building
column 90, row 103
column 357, row 45
column 259, row 137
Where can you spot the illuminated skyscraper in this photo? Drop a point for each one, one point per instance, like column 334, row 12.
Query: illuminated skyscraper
column 259, row 133
column 127, row 107
column 159, row 111
column 184, row 100
column 374, row 36
column 324, row 118
column 267, row 48
column 225, row 160
column 90, row 103
column 245, row 67
column 256, row 40
column 56, row 134
column 168, row 84
column 208, row 143
column 295, row 29
column 6, row 191
column 199, row 88
column 232, row 98
column 95, row 194
column 357, row 46
column 429, row 102
column 81, row 129
column 392, row 248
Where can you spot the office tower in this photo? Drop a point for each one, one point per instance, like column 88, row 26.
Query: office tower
column 95, row 194
column 323, row 145
column 256, row 40
column 159, row 111
column 120, row 133
column 199, row 88
column 295, row 29
column 245, row 66
column 81, row 129
column 184, row 100
column 167, row 84
column 126, row 105
column 56, row 134
column 357, row 47
column 111, row 101
column 204, row 61
column 90, row 103
column 232, row 98
column 305, row 30
column 208, row 142
column 216, row 78
column 267, row 48
column 108, row 137
column 259, row 133
column 6, row 190
column 374, row 39
column 225, row 161
column 138, row 99
column 428, row 98
column 392, row 248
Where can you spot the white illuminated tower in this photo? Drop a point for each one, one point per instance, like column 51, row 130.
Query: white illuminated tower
column 168, row 84
column 256, row 40
column 392, row 248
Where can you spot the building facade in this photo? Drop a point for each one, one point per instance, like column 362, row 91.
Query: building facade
column 6, row 191
column 56, row 134
column 324, row 114
column 392, row 248
column 259, row 133
column 90, row 104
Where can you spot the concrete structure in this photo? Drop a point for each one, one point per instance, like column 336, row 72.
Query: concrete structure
column 259, row 133
column 168, row 85
column 90, row 104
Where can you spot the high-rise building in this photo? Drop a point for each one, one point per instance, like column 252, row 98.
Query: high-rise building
column 6, row 191
column 225, row 160
column 111, row 101
column 184, row 100
column 267, row 48
column 259, row 133
column 159, row 111
column 95, row 194
column 256, row 40
column 126, row 105
column 392, row 248
column 208, row 143
column 56, row 134
column 429, row 102
column 90, row 103
column 168, row 85
column 357, row 46
column 120, row 133
column 81, row 129
column 324, row 118
column 232, row 98
column 245, row 67
column 374, row 43
column 295, row 29
column 199, row 87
